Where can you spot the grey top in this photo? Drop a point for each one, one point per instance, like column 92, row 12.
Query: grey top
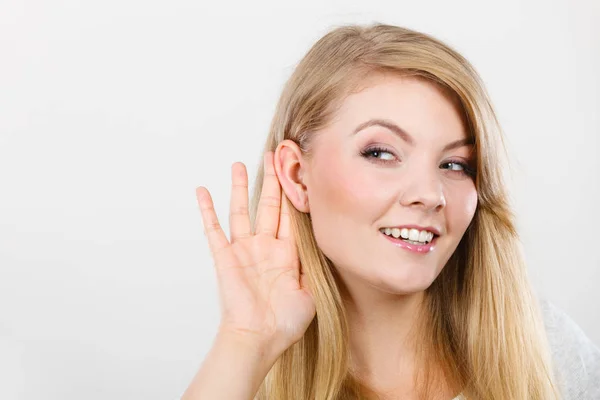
column 576, row 358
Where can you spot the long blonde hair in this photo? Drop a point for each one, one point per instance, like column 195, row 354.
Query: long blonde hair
column 484, row 327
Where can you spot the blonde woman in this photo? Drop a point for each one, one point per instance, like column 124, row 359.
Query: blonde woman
column 379, row 257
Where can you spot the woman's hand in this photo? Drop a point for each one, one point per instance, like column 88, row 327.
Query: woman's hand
column 263, row 292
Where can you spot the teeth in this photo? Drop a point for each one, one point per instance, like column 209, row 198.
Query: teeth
column 413, row 236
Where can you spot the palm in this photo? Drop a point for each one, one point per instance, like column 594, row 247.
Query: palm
column 260, row 283
column 261, row 292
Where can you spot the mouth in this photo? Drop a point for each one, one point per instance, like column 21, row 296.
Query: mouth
column 423, row 245
column 411, row 235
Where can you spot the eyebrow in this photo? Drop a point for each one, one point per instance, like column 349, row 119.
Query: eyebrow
column 405, row 136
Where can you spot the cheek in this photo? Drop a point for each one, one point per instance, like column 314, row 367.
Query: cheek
column 343, row 203
column 462, row 205
column 343, row 189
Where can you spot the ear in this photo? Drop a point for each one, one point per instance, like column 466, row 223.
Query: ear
column 289, row 167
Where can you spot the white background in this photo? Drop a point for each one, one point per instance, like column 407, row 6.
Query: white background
column 112, row 112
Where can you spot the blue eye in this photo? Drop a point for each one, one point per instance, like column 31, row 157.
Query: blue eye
column 454, row 166
column 458, row 167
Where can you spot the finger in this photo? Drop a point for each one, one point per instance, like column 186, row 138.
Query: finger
column 284, row 231
column 267, row 217
column 239, row 219
column 212, row 228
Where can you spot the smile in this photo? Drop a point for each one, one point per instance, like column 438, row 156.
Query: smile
column 418, row 241
column 414, row 236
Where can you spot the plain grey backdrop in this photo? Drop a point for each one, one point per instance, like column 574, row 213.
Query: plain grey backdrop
column 112, row 112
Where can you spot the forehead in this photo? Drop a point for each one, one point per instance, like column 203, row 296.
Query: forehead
column 417, row 105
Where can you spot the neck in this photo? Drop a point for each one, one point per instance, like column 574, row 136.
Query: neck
column 383, row 328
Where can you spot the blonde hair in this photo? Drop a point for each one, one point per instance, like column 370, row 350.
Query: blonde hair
column 484, row 326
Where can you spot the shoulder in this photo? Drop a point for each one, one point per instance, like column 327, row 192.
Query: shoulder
column 576, row 358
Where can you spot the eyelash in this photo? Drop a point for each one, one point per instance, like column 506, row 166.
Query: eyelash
column 368, row 154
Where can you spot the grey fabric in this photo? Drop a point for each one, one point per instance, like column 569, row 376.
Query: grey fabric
column 576, row 357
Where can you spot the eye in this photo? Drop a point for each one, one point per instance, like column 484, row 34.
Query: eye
column 454, row 166
column 458, row 167
column 379, row 153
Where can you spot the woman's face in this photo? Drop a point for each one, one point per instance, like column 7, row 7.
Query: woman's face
column 396, row 155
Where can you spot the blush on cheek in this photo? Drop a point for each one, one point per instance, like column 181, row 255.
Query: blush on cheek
column 356, row 193
column 468, row 208
column 340, row 183
column 471, row 204
column 461, row 203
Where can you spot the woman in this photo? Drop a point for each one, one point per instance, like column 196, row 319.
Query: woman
column 379, row 258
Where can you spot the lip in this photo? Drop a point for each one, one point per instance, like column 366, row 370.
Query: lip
column 416, row 248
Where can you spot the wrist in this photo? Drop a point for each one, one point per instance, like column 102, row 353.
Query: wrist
column 234, row 368
column 253, row 346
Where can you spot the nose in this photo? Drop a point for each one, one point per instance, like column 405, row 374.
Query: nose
column 423, row 189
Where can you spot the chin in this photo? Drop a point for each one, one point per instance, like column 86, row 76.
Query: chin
column 407, row 280
column 402, row 290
